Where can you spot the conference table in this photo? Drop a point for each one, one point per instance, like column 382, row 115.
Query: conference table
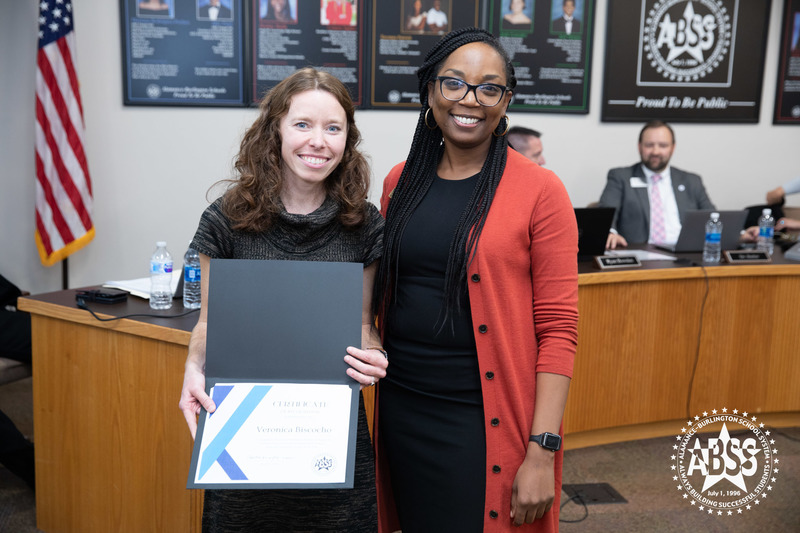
column 665, row 342
column 657, row 344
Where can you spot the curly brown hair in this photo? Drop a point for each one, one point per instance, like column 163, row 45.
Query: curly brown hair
column 253, row 200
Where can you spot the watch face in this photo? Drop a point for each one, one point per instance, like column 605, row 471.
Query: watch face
column 551, row 442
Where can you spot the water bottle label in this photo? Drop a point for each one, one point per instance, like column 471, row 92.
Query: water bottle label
column 713, row 237
column 766, row 231
column 160, row 268
column 191, row 274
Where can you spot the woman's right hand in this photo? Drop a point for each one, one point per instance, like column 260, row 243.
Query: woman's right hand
column 194, row 397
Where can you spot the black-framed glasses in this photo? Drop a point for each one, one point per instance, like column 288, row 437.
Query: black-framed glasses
column 486, row 94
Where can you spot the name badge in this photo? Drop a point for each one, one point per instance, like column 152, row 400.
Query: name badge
column 617, row 261
column 638, row 183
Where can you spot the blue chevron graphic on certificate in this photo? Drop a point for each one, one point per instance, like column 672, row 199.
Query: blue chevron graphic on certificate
column 275, row 433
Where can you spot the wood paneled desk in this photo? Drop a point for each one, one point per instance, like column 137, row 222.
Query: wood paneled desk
column 112, row 448
column 660, row 344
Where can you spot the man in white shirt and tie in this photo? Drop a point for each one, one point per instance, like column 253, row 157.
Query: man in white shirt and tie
column 214, row 11
column 650, row 196
column 567, row 23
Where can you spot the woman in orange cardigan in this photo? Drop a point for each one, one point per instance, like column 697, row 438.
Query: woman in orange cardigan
column 477, row 296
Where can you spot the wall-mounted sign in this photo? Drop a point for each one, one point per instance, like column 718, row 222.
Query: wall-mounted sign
column 292, row 34
column 684, row 60
column 787, row 91
column 550, row 44
column 402, row 33
column 183, row 52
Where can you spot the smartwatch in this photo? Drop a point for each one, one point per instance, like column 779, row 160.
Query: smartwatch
column 548, row 441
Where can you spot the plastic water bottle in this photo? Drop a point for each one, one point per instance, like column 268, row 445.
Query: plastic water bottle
column 713, row 243
column 191, row 279
column 766, row 229
column 161, row 277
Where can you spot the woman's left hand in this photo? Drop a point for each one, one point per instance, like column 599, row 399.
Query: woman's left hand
column 366, row 366
column 533, row 492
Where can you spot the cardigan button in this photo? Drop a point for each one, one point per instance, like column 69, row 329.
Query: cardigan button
column 495, row 422
column 490, row 375
column 483, row 328
column 493, row 514
column 496, row 469
column 476, row 278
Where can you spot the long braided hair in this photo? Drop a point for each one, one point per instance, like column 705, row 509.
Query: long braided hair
column 419, row 172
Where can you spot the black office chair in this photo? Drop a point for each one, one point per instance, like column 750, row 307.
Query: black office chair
column 754, row 213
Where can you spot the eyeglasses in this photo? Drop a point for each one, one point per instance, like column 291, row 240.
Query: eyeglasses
column 486, row 94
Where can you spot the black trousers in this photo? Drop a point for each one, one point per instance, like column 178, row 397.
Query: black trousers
column 16, row 452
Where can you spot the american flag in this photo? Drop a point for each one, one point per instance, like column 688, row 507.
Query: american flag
column 63, row 187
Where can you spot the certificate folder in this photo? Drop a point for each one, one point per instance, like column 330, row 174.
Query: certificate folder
column 275, row 347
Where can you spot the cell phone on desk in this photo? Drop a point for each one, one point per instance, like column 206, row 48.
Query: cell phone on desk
column 102, row 296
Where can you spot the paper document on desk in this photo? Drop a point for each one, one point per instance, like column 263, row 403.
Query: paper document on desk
column 642, row 255
column 141, row 286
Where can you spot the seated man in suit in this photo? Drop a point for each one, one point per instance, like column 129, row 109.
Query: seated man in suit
column 528, row 142
column 650, row 197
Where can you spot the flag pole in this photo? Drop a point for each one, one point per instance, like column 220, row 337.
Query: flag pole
column 65, row 274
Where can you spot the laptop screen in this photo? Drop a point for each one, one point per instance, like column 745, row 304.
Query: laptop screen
column 593, row 226
column 693, row 228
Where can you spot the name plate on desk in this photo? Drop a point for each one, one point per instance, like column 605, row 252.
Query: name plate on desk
column 746, row 256
column 617, row 261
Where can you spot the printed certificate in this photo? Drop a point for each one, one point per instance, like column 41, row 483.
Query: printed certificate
column 287, row 412
column 274, row 435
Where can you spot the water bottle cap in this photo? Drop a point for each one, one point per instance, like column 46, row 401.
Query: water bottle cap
column 714, row 215
column 161, row 244
column 766, row 211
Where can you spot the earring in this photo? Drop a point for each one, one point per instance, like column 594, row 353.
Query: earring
column 435, row 125
column 508, row 125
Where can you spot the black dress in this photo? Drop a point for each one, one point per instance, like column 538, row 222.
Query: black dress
column 317, row 236
column 431, row 407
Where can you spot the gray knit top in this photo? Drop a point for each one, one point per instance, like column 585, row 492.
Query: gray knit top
column 318, row 236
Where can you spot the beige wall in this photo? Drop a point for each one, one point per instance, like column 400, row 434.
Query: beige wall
column 138, row 153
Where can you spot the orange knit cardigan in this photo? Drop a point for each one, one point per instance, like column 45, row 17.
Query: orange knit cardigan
column 523, row 292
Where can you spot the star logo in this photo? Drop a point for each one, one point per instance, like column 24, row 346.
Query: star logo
column 724, row 461
column 686, row 41
column 724, row 458
column 694, row 47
